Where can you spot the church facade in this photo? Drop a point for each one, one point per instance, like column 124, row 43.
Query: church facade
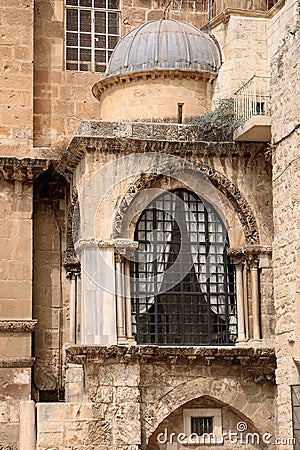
column 150, row 179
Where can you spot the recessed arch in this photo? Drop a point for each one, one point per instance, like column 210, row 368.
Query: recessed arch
column 226, row 393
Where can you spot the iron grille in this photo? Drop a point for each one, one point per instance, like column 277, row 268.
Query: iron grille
column 296, row 415
column 183, row 285
column 201, row 425
column 92, row 32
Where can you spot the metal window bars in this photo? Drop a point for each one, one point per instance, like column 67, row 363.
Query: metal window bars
column 92, row 30
column 252, row 99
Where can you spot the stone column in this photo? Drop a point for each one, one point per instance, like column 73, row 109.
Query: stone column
column 240, row 302
column 255, row 299
column 119, row 262
column 130, row 337
column 98, row 309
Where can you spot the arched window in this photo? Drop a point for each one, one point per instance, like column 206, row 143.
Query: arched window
column 183, row 289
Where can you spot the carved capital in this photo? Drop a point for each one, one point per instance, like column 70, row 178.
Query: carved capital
column 27, row 169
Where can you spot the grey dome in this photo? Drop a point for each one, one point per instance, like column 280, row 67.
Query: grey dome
column 164, row 44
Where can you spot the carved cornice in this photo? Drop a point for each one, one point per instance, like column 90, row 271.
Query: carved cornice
column 123, row 138
column 26, row 169
column 249, row 252
column 17, row 326
column 260, row 361
column 10, row 362
column 151, row 74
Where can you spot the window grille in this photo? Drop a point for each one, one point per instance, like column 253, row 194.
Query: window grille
column 296, row 415
column 202, row 425
column 92, row 32
column 183, row 286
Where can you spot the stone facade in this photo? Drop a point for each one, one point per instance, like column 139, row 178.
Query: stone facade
column 75, row 177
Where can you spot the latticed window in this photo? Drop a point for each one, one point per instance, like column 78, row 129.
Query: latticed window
column 183, row 289
column 92, row 32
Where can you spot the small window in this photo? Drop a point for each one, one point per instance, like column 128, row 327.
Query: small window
column 202, row 425
column 92, row 30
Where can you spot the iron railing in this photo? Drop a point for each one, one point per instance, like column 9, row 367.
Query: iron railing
column 253, row 99
column 218, row 6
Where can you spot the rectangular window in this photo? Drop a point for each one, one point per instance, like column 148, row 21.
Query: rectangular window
column 92, row 30
column 201, row 425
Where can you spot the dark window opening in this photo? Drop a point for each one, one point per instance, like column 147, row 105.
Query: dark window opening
column 180, row 112
column 183, row 284
column 202, row 425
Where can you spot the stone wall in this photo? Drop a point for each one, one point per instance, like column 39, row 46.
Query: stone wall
column 134, row 394
column 286, row 187
column 16, row 49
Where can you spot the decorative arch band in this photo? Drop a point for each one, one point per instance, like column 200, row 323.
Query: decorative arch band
column 218, row 180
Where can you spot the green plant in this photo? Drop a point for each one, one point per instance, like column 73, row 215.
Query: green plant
column 217, row 125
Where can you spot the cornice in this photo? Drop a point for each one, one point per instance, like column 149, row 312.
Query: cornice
column 16, row 362
column 17, row 326
column 26, row 169
column 252, row 358
column 151, row 74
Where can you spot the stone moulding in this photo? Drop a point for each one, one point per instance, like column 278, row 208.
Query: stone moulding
column 26, row 169
column 151, row 74
column 17, row 326
column 261, row 360
column 222, row 183
column 9, row 362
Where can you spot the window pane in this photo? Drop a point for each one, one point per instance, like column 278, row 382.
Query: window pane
column 113, row 4
column 72, row 54
column 72, row 39
column 85, row 20
column 100, row 41
column 72, row 20
column 100, row 4
column 113, row 23
column 112, row 41
column 100, row 67
column 85, row 40
column 86, row 3
column 100, row 56
column 100, row 22
column 72, row 2
column 85, row 55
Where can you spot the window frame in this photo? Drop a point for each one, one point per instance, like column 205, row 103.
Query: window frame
column 92, row 63
column 215, row 413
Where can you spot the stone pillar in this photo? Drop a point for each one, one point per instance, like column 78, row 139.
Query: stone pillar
column 119, row 262
column 255, row 299
column 27, row 426
column 98, row 309
column 73, row 309
column 240, row 302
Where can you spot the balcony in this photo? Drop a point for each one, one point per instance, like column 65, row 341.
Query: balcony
column 218, row 6
column 252, row 109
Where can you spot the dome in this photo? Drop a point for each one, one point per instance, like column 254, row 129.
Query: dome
column 164, row 44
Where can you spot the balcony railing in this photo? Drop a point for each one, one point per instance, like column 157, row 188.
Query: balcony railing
column 253, row 99
column 218, row 6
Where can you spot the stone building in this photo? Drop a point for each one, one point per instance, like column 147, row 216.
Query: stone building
column 149, row 278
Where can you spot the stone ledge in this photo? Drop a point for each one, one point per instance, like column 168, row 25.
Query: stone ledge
column 25, row 169
column 10, row 362
column 17, row 326
column 263, row 358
